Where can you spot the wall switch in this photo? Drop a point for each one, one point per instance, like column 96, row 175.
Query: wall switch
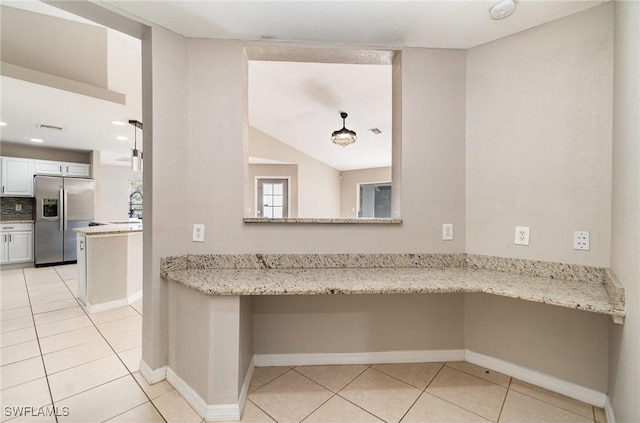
column 198, row 232
column 447, row 231
column 18, row 207
column 581, row 240
column 522, row 235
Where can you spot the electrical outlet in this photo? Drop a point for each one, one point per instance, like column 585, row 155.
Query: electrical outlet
column 447, row 231
column 198, row 232
column 18, row 207
column 522, row 235
column 581, row 240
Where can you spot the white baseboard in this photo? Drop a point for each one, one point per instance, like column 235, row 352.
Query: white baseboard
column 311, row 359
column 540, row 379
column 216, row 412
column 150, row 375
column 608, row 411
column 97, row 308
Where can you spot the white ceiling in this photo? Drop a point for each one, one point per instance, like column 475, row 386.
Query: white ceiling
column 297, row 100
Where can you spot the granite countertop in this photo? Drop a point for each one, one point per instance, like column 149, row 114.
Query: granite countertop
column 110, row 229
column 11, row 218
column 592, row 291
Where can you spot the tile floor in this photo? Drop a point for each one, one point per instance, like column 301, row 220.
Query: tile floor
column 53, row 355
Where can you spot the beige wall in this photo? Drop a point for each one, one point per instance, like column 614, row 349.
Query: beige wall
column 114, row 192
column 55, row 46
column 539, row 140
column 282, row 171
column 10, row 149
column 318, row 183
column 624, row 364
column 349, row 181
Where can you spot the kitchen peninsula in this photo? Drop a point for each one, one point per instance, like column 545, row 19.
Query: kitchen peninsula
column 109, row 265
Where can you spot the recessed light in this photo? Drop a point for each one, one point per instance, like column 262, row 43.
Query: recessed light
column 3, row 123
column 117, row 122
column 502, row 9
column 121, row 138
column 36, row 140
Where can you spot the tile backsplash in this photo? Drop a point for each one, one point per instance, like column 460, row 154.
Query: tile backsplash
column 8, row 206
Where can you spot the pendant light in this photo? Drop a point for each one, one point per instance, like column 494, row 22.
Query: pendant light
column 344, row 136
column 136, row 155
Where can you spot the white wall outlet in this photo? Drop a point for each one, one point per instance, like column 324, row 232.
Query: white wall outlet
column 18, row 207
column 447, row 231
column 581, row 240
column 522, row 235
column 198, row 232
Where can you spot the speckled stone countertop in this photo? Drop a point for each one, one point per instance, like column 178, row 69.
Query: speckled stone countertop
column 7, row 219
column 111, row 229
column 320, row 220
column 573, row 286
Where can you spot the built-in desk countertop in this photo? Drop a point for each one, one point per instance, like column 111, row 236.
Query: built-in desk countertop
column 579, row 287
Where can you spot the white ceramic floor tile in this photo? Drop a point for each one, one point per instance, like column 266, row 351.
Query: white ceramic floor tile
column 69, row 271
column 175, row 409
column 469, row 392
column 15, row 324
column 15, row 313
column 339, row 410
column 51, row 298
column 69, row 339
column 252, row 414
column 57, row 315
column 13, row 302
column 552, row 398
column 290, row 398
column 333, row 378
column 430, row 409
column 137, row 306
column 61, row 326
column 599, row 415
column 145, row 413
column 19, row 352
column 153, row 391
column 74, row 356
column 125, row 341
column 44, row 414
column 30, row 394
column 381, row 395
column 415, row 374
column 20, row 372
column 110, row 315
column 17, row 336
column 56, row 305
column 104, row 402
column 86, row 376
column 131, row 358
column 481, row 372
column 263, row 375
column 115, row 327
column 520, row 408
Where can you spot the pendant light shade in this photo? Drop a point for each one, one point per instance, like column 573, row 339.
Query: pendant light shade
column 136, row 155
column 344, row 136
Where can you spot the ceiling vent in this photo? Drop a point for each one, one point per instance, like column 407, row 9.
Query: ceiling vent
column 45, row 126
column 375, row 131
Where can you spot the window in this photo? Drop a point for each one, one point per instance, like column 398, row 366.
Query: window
column 375, row 200
column 273, row 198
column 135, row 199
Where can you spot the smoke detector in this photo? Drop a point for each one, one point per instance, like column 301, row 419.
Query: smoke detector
column 502, row 9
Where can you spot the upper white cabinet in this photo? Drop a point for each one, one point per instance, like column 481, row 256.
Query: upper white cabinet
column 75, row 170
column 17, row 177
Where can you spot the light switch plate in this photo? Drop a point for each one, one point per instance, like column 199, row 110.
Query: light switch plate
column 198, row 232
column 447, row 231
column 522, row 235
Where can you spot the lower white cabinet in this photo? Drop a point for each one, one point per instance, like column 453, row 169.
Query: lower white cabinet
column 17, row 243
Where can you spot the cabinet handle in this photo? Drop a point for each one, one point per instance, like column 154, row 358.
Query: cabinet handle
column 81, row 245
column 60, row 168
column 67, row 169
column 3, row 189
column 9, row 237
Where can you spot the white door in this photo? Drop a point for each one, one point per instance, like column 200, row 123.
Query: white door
column 17, row 177
column 4, row 247
column 47, row 167
column 273, row 198
column 20, row 246
column 76, row 170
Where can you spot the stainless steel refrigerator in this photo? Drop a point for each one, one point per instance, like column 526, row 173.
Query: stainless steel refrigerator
column 62, row 204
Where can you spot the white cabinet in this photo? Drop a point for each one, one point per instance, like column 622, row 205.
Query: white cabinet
column 81, row 243
column 17, row 243
column 75, row 170
column 17, row 177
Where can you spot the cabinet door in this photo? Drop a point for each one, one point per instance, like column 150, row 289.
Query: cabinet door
column 17, row 177
column 20, row 246
column 47, row 167
column 4, row 247
column 77, row 170
column 82, row 268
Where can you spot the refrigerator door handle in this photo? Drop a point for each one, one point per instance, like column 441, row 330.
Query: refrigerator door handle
column 60, row 213
column 64, row 205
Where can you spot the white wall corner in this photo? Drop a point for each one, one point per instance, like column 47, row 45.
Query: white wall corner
column 543, row 380
column 608, row 411
column 152, row 376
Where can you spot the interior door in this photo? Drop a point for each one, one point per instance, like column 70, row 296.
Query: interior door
column 273, row 198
